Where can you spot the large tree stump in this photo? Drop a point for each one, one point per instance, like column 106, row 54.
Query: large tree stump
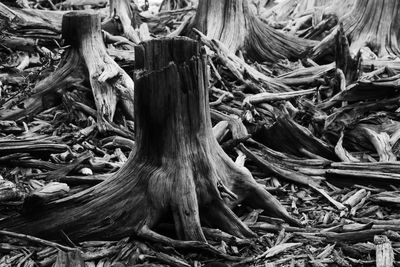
column 85, row 59
column 375, row 24
column 233, row 23
column 178, row 169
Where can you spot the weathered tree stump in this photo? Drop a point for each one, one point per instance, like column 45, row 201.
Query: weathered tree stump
column 233, row 23
column 110, row 83
column 374, row 24
column 178, row 168
column 85, row 59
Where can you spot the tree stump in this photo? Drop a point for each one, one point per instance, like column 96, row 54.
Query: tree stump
column 375, row 24
column 178, row 168
column 233, row 23
column 85, row 60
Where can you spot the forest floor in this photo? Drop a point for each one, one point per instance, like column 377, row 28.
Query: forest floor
column 329, row 157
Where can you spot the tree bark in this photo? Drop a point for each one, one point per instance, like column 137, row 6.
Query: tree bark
column 233, row 23
column 375, row 24
column 178, row 167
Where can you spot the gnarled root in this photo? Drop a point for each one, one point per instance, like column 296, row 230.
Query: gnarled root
column 48, row 91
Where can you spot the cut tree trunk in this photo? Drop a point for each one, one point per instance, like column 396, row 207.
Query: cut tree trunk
column 233, row 23
column 374, row 24
column 178, row 168
column 86, row 59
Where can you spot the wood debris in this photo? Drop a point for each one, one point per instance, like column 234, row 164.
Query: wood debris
column 303, row 96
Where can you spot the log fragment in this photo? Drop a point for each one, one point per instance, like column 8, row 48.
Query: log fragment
column 384, row 251
column 69, row 259
column 287, row 136
column 8, row 147
column 23, row 26
column 8, row 191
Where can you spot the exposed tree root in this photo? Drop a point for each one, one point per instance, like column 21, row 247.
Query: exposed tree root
column 375, row 24
column 48, row 91
column 256, row 80
column 86, row 59
column 125, row 20
column 233, row 23
column 178, row 167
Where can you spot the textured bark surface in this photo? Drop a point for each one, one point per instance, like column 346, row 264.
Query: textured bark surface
column 374, row 24
column 233, row 23
column 178, row 167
